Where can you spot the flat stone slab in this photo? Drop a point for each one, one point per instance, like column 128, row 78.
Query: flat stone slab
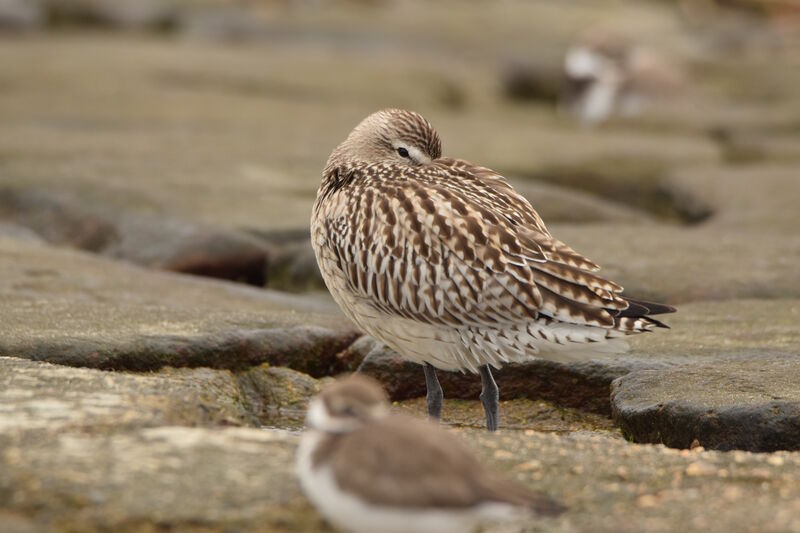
column 168, row 150
column 75, row 309
column 243, row 479
column 84, row 449
column 42, row 398
column 750, row 403
column 63, row 218
column 180, row 478
column 680, row 264
column 45, row 398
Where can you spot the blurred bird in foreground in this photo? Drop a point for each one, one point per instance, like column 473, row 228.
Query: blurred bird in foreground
column 443, row 261
column 368, row 470
column 608, row 75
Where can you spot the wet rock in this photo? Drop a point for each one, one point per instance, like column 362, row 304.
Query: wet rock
column 57, row 218
column 180, row 246
column 352, row 356
column 76, row 309
column 154, row 241
column 749, row 403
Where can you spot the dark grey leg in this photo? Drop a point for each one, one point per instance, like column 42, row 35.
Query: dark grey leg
column 435, row 394
column 490, row 398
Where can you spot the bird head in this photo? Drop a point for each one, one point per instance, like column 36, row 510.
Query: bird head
column 347, row 404
column 391, row 136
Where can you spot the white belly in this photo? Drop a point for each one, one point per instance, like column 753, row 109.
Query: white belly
column 350, row 513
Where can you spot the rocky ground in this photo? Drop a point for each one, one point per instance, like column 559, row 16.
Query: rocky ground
column 163, row 321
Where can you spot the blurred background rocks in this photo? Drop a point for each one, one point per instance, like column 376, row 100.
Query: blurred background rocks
column 164, row 321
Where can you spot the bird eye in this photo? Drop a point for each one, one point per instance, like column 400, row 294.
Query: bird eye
column 402, row 151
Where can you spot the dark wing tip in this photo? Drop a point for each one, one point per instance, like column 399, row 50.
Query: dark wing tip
column 657, row 323
column 642, row 307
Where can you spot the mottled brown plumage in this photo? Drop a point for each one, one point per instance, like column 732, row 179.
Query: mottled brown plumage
column 402, row 459
column 445, row 262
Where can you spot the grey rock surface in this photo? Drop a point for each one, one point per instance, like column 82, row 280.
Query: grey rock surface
column 72, row 308
column 47, row 399
column 163, row 242
column 175, row 477
column 749, row 403
column 241, row 478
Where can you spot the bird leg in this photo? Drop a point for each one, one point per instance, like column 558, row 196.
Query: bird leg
column 435, row 394
column 490, row 398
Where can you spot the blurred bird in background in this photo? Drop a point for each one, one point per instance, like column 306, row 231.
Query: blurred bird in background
column 609, row 75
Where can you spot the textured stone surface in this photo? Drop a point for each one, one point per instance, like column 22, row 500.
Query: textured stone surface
column 664, row 263
column 48, row 398
column 72, row 308
column 153, row 241
column 239, row 478
column 44, row 398
column 749, row 403
column 236, row 137
column 179, row 478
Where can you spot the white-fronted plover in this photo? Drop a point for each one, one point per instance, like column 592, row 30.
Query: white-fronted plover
column 368, row 470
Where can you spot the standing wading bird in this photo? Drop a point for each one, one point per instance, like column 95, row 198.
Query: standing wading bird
column 368, row 470
column 609, row 75
column 444, row 262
